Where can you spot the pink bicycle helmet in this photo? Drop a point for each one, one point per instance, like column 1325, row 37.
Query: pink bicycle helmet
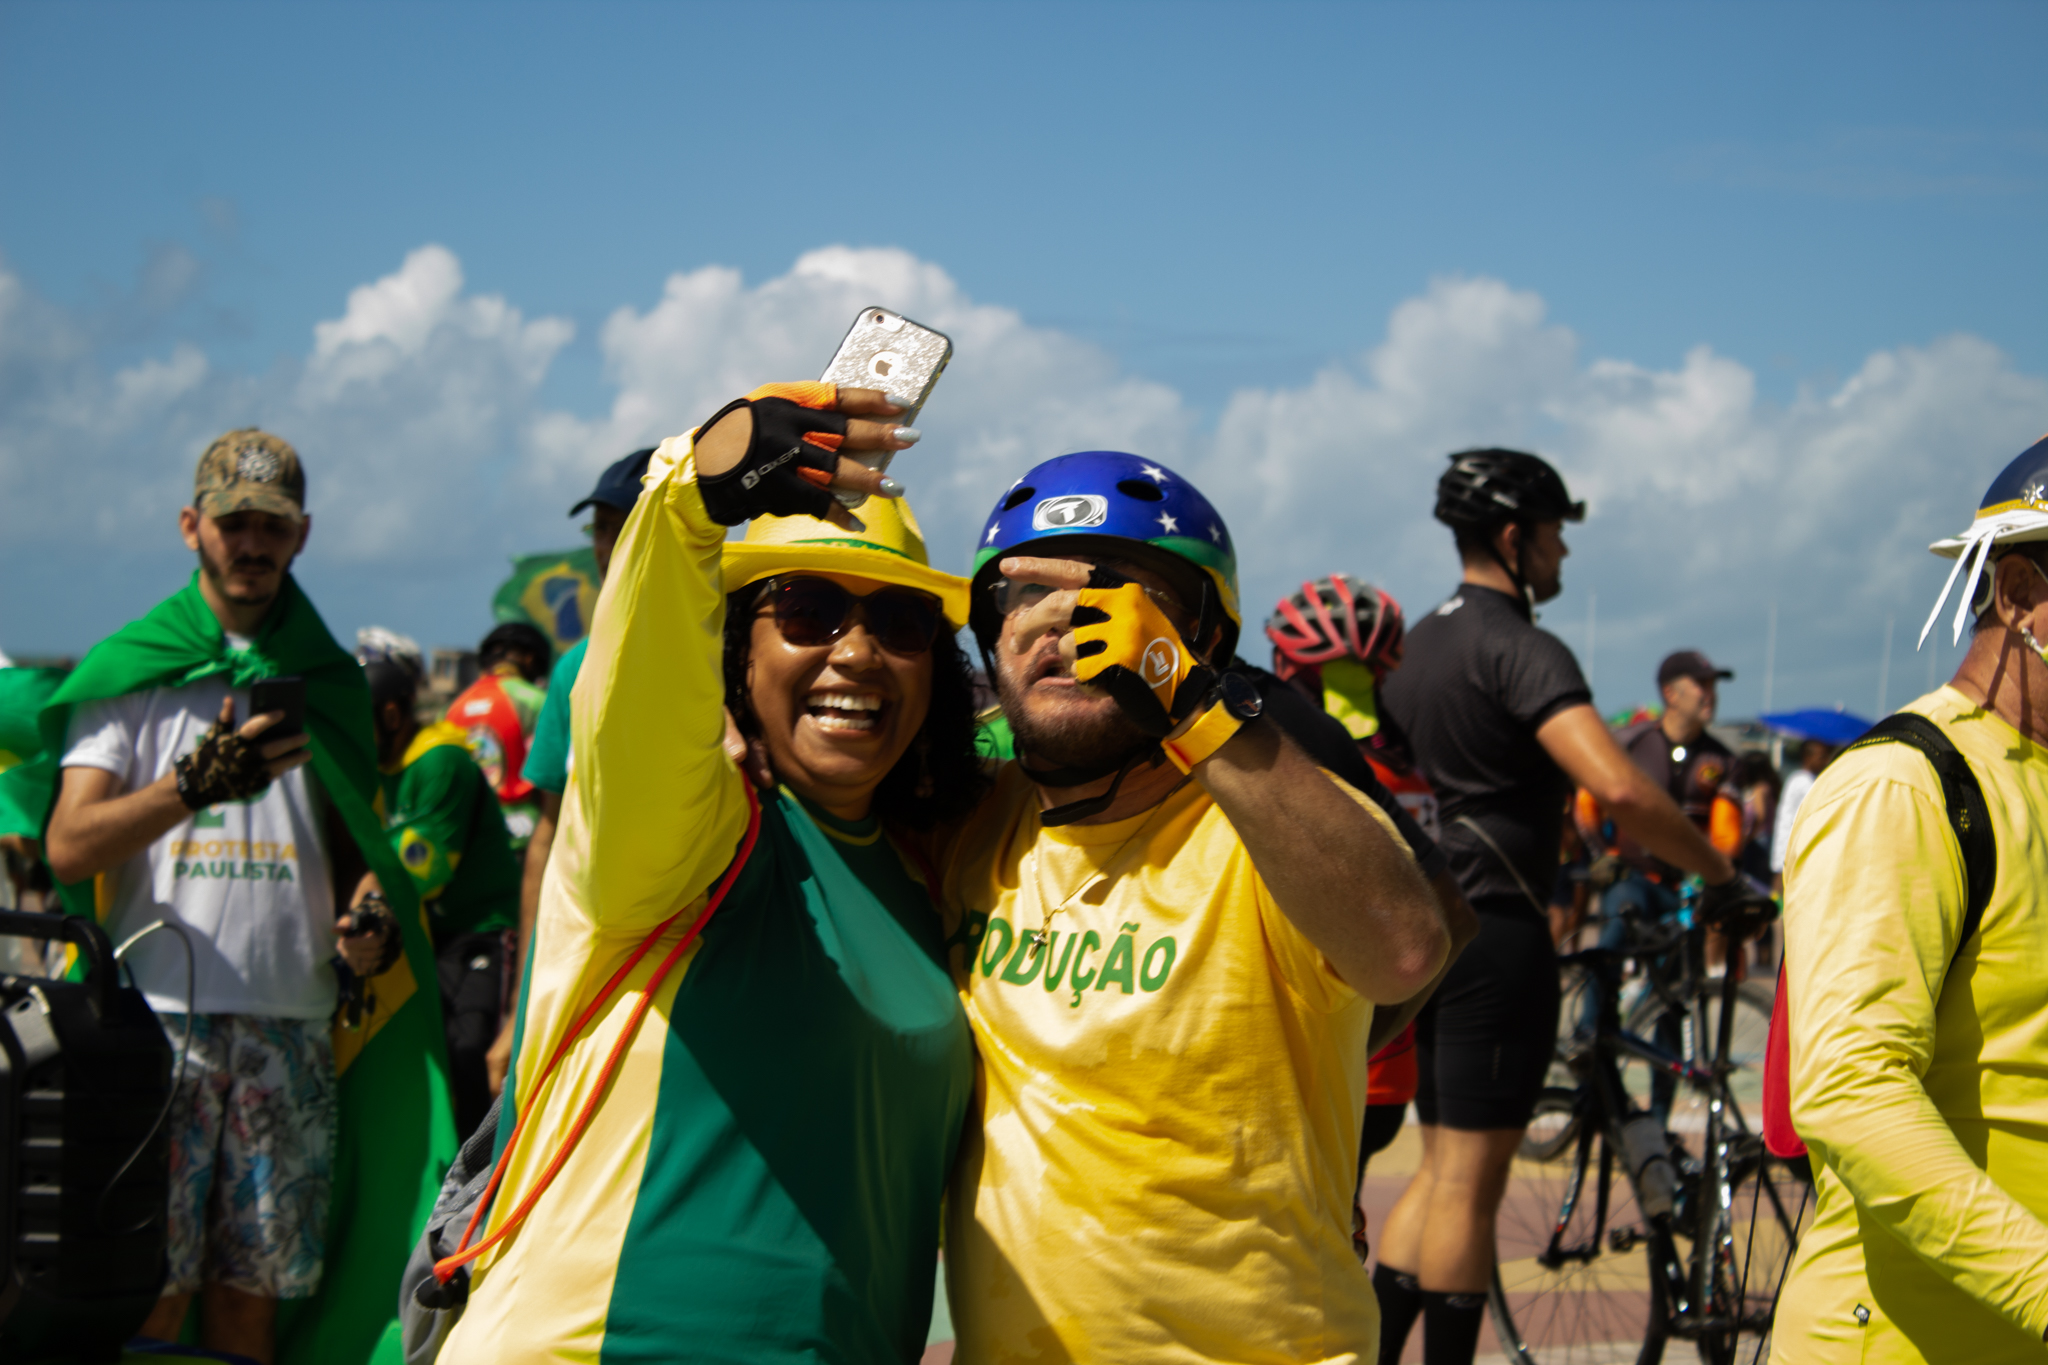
column 1339, row 617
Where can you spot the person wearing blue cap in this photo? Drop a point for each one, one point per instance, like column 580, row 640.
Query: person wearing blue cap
column 547, row 752
column 1916, row 938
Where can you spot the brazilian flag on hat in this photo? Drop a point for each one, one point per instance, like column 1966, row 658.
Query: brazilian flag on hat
column 890, row 549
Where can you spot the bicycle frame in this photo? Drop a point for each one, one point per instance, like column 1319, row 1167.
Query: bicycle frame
column 1692, row 1292
column 1715, row 1258
column 1601, row 1091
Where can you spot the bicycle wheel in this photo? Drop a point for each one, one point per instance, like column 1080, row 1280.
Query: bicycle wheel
column 1575, row 1280
column 1752, row 1030
column 1769, row 1204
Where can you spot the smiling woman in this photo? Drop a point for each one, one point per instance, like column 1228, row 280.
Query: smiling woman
column 840, row 675
column 780, row 1113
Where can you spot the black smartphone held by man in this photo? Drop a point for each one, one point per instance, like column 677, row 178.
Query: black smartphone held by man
column 279, row 694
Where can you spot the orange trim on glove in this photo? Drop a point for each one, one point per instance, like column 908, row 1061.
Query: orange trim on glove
column 810, row 393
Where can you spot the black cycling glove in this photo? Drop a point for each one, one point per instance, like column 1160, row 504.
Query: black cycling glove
column 789, row 466
column 372, row 915
column 225, row 767
column 1737, row 906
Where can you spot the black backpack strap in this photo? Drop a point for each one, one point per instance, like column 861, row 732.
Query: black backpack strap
column 1968, row 814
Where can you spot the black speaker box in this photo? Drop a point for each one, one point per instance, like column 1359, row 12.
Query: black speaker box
column 85, row 1077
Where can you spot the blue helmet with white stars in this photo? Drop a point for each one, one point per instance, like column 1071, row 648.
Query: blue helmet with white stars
column 1109, row 503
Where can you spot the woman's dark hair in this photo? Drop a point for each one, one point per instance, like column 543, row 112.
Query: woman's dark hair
column 944, row 748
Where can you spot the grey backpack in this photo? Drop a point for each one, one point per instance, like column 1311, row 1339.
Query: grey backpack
column 428, row 1309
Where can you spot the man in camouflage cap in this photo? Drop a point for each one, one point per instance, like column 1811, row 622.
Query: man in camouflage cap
column 251, row 471
column 257, row 847
column 247, row 521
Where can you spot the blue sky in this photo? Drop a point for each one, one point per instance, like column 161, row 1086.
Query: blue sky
column 1210, row 218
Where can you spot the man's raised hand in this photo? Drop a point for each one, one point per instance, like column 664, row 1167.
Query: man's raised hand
column 280, row 756
column 232, row 765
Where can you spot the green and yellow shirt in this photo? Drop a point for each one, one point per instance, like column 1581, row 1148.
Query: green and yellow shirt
column 761, row 1182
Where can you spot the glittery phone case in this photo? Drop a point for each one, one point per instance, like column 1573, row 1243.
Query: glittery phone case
column 887, row 351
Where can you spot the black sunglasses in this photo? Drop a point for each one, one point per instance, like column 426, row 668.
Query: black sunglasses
column 811, row 612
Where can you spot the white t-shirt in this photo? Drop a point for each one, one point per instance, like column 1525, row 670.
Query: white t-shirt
column 247, row 879
column 1796, row 788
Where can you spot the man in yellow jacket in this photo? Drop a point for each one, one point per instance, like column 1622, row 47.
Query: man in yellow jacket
column 1919, row 1047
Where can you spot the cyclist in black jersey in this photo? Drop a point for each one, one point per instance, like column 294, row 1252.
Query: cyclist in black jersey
column 1502, row 724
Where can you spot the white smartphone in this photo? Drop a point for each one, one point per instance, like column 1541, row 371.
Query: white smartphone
column 887, row 351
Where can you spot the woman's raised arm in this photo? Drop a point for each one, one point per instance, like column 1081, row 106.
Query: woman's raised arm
column 654, row 807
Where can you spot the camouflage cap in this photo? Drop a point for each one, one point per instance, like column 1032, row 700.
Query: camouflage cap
column 250, row 471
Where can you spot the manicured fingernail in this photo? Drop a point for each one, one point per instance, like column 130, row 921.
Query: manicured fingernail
column 890, row 488
column 909, row 436
column 902, row 400
column 858, row 524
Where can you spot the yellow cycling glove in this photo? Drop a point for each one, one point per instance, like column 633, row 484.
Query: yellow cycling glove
column 1125, row 645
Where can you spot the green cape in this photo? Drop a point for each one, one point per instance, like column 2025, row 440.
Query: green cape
column 397, row 1134
column 22, row 694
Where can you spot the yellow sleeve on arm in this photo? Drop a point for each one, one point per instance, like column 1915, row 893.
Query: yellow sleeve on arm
column 654, row 808
column 1874, row 907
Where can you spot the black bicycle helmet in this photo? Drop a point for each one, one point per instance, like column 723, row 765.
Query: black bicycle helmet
column 1485, row 488
column 390, row 681
column 517, row 637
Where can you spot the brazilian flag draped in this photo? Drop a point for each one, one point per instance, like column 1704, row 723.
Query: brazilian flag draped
column 556, row 591
column 397, row 1134
column 23, row 692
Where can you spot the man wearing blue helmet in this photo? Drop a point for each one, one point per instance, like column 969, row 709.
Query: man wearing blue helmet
column 1914, row 952
column 1171, row 928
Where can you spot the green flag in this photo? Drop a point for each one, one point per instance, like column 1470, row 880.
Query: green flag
column 396, row 1134
column 23, row 691
column 556, row 591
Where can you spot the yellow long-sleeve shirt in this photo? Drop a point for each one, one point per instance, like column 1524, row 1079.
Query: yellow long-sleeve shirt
column 1921, row 1087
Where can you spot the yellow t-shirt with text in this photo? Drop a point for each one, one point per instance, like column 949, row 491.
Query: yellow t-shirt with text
column 1170, row 1097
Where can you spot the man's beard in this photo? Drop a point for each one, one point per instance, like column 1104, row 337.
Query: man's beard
column 1068, row 739
column 217, row 573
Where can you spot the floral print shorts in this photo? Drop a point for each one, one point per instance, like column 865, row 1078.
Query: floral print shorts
column 252, row 1153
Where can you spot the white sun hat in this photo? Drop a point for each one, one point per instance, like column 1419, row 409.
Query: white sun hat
column 2015, row 509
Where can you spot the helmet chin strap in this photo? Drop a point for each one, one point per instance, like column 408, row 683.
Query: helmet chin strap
column 1522, row 588
column 1079, row 776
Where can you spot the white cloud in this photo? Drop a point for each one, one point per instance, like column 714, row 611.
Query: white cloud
column 414, row 403
column 1706, row 503
column 431, row 454
column 1012, row 394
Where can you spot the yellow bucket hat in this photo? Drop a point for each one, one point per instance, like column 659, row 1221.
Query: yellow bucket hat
column 890, row 550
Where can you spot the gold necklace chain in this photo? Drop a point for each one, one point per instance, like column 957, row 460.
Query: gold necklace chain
column 1038, row 937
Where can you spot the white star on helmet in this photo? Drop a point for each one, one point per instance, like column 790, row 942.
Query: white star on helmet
column 993, row 528
column 1167, row 522
column 1153, row 472
column 1215, row 533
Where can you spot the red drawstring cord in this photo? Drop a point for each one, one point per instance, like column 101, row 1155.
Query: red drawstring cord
column 445, row 1268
